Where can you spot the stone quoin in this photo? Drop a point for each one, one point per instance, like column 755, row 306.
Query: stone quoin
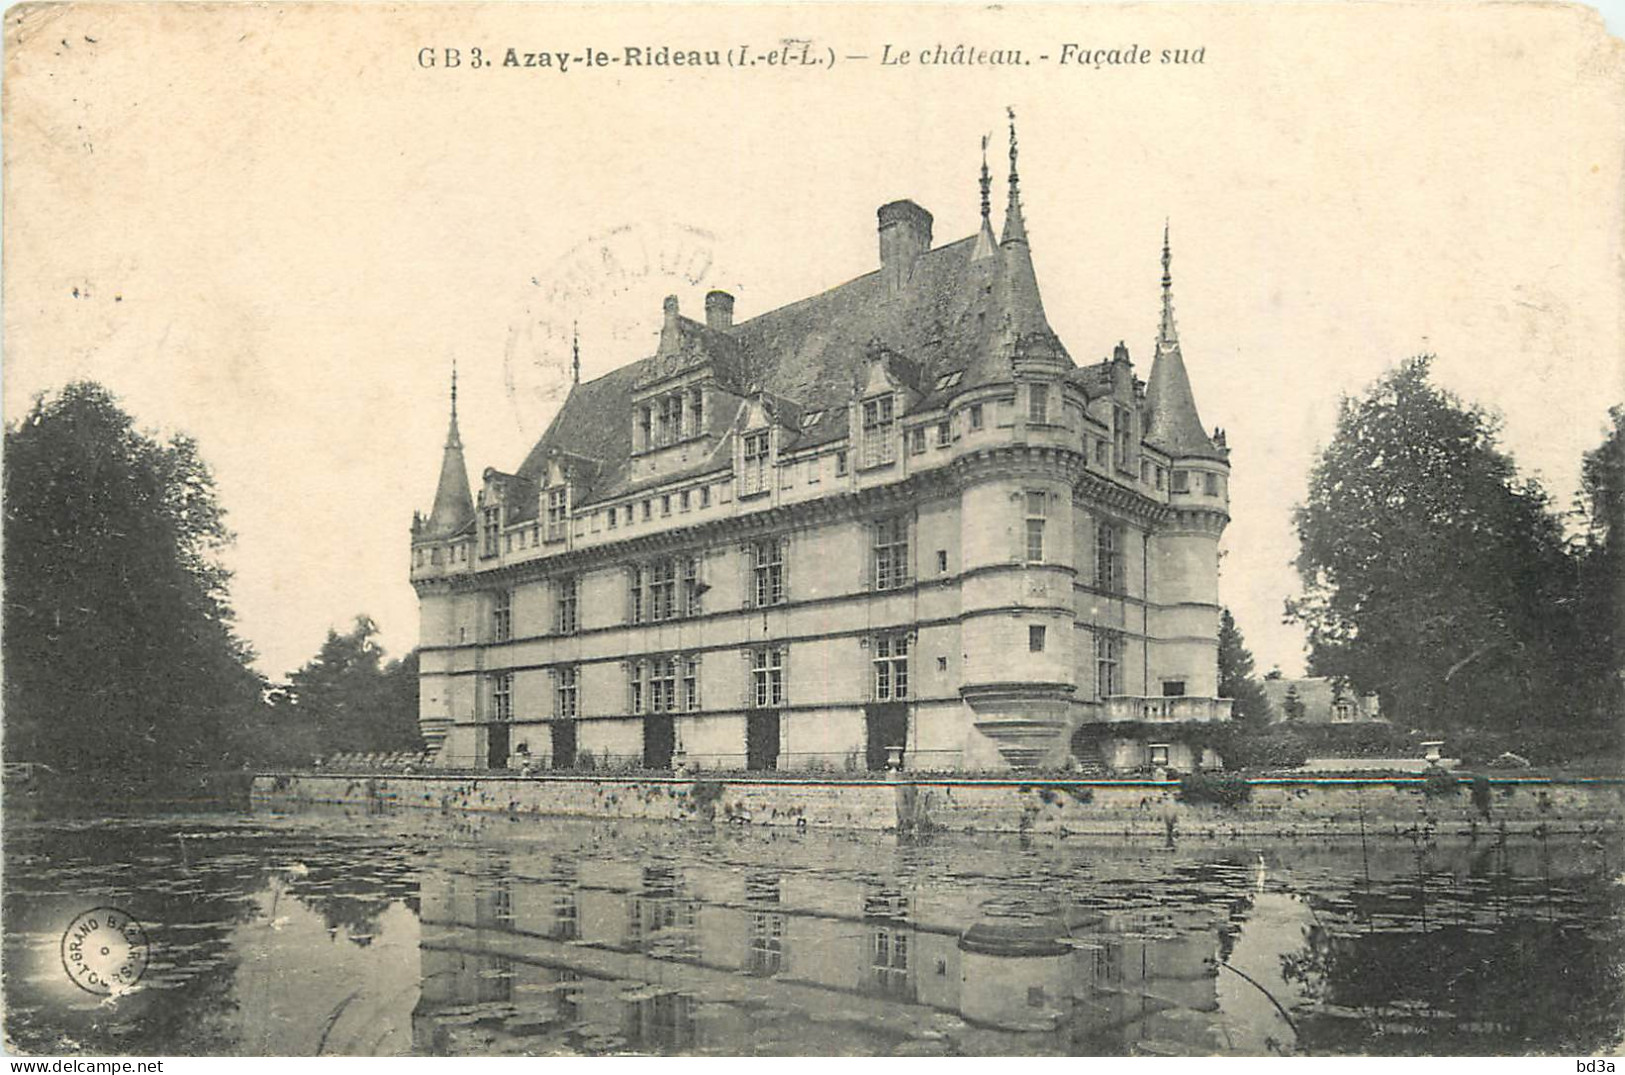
column 896, row 514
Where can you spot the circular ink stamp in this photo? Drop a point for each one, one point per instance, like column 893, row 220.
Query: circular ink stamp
column 105, row 951
column 602, row 300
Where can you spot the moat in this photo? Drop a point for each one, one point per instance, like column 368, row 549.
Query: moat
column 347, row 932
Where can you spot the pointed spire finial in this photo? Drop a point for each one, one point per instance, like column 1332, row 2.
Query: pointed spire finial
column 1167, row 334
column 453, row 439
column 1014, row 227
column 575, row 353
column 987, row 182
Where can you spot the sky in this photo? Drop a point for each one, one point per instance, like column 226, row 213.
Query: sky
column 273, row 229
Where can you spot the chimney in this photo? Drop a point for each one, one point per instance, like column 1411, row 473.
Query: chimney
column 719, row 310
column 905, row 234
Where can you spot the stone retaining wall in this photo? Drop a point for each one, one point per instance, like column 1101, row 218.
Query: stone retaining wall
column 1392, row 808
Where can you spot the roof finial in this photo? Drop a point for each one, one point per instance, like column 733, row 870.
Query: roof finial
column 1014, row 227
column 575, row 353
column 453, row 439
column 1167, row 336
column 987, row 182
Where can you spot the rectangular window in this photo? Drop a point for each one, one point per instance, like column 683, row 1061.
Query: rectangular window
column 1157, row 473
column 614, row 515
column 691, row 684
column 840, row 464
column 1182, row 481
column 634, row 595
column 976, row 416
column 502, row 696
column 671, row 419
column 767, row 676
column 942, row 561
column 767, row 571
column 814, row 466
column 693, row 590
column 1108, row 656
column 1173, row 688
column 1103, row 454
column 878, row 423
column 696, row 412
column 662, row 590
column 1109, row 573
column 665, row 504
column 1035, row 527
column 753, row 479
column 634, row 687
column 491, row 528
column 1123, row 436
column 663, row 685
column 507, row 542
column 682, row 500
column 1038, row 404
column 565, row 604
column 1210, row 484
column 891, row 667
column 648, row 510
column 1035, row 638
column 891, row 553
column 564, row 692
column 502, row 616
column 557, row 513
column 1145, row 472
column 944, row 434
column 916, row 440
column 705, row 496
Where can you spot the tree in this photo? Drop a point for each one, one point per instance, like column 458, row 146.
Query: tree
column 352, row 700
column 119, row 650
column 1598, row 648
column 1433, row 574
column 1236, row 678
column 1292, row 708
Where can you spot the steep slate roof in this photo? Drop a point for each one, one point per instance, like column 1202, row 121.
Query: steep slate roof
column 1172, row 423
column 453, row 503
column 811, row 352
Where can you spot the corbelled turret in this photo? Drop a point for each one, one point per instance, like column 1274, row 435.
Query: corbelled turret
column 453, row 503
column 1172, row 422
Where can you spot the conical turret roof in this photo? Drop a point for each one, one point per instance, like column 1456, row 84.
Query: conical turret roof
column 1172, row 422
column 453, row 502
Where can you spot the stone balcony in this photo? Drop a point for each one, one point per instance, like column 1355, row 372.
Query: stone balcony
column 1178, row 710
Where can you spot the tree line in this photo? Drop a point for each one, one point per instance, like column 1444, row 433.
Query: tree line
column 1439, row 577
column 123, row 668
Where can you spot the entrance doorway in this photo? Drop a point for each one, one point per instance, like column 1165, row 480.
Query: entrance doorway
column 762, row 739
column 496, row 746
column 886, row 725
column 564, row 744
column 659, row 739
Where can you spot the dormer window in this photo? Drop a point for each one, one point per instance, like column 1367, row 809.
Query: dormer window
column 557, row 512
column 490, row 529
column 950, row 380
column 810, row 419
column 1123, row 437
column 878, row 421
column 696, row 412
column 753, row 475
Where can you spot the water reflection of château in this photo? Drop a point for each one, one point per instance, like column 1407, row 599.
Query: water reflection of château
column 616, row 956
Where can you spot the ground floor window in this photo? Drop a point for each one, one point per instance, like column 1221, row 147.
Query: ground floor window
column 767, row 675
column 1108, row 658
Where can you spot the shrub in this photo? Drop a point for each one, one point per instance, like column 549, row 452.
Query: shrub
column 1221, row 789
column 1439, row 783
column 1482, row 795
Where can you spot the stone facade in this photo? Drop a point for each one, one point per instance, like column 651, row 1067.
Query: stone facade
column 893, row 515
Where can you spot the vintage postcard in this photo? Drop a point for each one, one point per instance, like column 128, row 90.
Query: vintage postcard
column 899, row 530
